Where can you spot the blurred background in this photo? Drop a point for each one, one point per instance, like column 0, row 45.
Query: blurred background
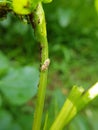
column 72, row 28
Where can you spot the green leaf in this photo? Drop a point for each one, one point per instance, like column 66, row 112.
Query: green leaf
column 20, row 85
column 4, row 65
column 5, row 120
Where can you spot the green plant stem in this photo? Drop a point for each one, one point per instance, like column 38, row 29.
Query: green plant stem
column 37, row 19
column 67, row 108
column 76, row 101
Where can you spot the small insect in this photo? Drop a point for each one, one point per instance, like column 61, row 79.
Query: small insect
column 45, row 65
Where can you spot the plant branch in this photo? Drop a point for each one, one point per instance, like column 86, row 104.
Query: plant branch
column 37, row 19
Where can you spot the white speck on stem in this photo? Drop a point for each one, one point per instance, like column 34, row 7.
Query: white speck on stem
column 45, row 64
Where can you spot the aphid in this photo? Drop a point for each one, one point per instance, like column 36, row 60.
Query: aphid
column 45, row 65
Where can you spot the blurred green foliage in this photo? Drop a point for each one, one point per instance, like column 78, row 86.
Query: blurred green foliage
column 73, row 35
